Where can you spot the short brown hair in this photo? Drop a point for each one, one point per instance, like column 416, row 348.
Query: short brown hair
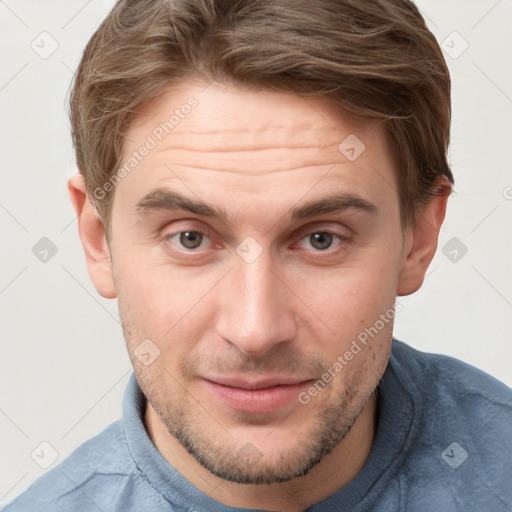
column 375, row 58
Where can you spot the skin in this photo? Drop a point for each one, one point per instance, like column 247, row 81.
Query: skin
column 291, row 312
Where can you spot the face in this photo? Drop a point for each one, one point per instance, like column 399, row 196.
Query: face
column 256, row 262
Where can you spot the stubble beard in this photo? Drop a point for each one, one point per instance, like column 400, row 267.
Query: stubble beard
column 223, row 457
column 250, row 464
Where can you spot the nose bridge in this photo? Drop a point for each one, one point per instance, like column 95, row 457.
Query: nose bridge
column 256, row 311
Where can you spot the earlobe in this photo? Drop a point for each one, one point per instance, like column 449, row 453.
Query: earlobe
column 92, row 235
column 421, row 244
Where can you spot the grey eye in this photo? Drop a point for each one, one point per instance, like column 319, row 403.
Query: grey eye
column 191, row 239
column 321, row 240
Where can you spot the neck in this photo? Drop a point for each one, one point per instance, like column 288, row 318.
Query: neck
column 335, row 470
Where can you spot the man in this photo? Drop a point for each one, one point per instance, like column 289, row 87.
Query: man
column 259, row 180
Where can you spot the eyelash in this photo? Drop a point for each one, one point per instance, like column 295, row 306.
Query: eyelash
column 301, row 235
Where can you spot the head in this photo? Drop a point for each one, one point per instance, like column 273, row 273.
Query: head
column 259, row 181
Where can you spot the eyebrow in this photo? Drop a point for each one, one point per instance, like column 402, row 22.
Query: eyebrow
column 164, row 199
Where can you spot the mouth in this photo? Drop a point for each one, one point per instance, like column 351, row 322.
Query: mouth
column 265, row 395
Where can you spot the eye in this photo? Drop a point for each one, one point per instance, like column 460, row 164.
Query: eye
column 189, row 240
column 322, row 240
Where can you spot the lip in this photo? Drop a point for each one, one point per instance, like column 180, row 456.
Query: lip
column 265, row 395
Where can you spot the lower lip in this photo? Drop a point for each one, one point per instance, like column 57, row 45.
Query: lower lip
column 256, row 400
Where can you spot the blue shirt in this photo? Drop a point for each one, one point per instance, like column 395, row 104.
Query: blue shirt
column 443, row 443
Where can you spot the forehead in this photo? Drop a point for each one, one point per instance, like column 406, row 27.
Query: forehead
column 231, row 119
column 220, row 139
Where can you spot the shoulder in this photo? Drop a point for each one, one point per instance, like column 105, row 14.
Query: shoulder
column 460, row 455
column 440, row 378
column 89, row 477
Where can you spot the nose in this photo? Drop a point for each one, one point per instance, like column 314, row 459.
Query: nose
column 256, row 307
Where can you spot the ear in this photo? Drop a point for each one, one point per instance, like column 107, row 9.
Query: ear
column 421, row 241
column 92, row 235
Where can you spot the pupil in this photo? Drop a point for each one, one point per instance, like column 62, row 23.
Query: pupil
column 191, row 239
column 321, row 240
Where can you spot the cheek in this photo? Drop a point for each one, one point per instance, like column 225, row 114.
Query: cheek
column 352, row 298
column 156, row 295
column 350, row 302
column 170, row 308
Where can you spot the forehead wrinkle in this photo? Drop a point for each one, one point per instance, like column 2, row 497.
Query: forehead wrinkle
column 227, row 139
column 244, row 172
column 202, row 149
column 252, row 161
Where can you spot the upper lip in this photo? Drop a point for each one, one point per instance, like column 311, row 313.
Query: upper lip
column 260, row 383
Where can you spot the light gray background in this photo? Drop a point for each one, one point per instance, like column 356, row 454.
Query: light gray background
column 63, row 364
